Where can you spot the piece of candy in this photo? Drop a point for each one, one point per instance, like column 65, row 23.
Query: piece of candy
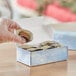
column 25, row 34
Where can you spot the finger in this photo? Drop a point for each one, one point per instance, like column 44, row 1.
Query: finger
column 11, row 30
column 14, row 25
column 15, row 38
column 10, row 23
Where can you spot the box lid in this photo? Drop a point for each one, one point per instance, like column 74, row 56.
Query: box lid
column 65, row 27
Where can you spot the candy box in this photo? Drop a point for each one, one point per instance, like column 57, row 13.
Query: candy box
column 42, row 56
column 64, row 33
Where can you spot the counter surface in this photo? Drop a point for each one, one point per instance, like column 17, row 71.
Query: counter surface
column 9, row 66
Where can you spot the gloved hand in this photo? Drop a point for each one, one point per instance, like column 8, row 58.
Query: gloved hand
column 7, row 28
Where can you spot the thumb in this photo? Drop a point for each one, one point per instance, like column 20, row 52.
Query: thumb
column 15, row 38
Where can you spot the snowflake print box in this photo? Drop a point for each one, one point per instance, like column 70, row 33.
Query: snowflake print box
column 64, row 33
column 39, row 57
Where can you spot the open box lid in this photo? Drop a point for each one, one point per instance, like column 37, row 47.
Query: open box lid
column 68, row 29
column 36, row 26
column 63, row 27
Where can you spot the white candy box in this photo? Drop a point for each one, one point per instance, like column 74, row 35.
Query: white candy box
column 39, row 57
column 64, row 33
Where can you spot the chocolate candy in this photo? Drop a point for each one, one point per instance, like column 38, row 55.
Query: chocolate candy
column 25, row 34
column 43, row 46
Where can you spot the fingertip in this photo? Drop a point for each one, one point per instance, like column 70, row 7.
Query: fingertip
column 17, row 26
column 20, row 40
column 15, row 38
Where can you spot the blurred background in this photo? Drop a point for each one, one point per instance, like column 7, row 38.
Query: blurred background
column 61, row 10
